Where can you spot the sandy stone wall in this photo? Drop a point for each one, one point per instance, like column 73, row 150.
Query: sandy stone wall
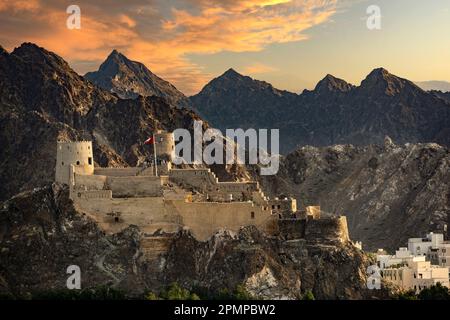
column 206, row 182
column 137, row 186
column 206, row 218
column 93, row 194
column 153, row 213
column 323, row 229
column 117, row 172
column 90, row 182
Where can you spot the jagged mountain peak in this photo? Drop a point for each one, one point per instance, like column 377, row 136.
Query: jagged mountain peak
column 381, row 80
column 231, row 73
column 130, row 79
column 231, row 79
column 332, row 84
column 32, row 52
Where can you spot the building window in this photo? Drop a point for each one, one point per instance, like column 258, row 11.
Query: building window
column 62, row 163
column 420, row 276
column 90, row 161
column 78, row 163
column 252, row 215
column 116, row 219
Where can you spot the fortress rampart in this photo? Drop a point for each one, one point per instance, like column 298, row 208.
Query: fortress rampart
column 180, row 198
column 329, row 229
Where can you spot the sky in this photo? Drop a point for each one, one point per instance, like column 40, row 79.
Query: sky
column 289, row 43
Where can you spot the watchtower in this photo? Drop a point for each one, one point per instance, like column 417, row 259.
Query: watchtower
column 77, row 154
column 165, row 145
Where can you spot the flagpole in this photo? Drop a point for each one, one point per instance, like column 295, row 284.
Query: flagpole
column 154, row 155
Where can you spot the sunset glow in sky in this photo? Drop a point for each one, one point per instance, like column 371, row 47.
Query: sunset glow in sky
column 289, row 43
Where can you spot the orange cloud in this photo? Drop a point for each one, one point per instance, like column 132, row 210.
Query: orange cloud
column 19, row 5
column 160, row 36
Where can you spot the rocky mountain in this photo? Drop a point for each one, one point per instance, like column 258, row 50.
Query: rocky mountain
column 41, row 234
column 335, row 112
column 443, row 95
column 43, row 100
column 389, row 193
column 434, row 85
column 222, row 102
column 130, row 79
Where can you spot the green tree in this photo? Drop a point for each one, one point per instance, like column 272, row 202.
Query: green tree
column 436, row 292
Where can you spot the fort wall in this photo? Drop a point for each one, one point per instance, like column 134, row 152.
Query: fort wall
column 205, row 181
column 201, row 179
column 137, row 186
column 324, row 230
column 327, row 229
column 93, row 194
column 90, row 182
column 117, row 172
column 122, row 186
column 204, row 219
column 153, row 213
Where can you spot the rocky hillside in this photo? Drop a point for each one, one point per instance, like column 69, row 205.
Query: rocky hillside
column 335, row 112
column 129, row 79
column 41, row 234
column 388, row 193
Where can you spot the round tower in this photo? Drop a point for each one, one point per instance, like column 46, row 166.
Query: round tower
column 165, row 145
column 79, row 154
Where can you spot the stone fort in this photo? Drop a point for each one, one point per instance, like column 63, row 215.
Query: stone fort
column 165, row 198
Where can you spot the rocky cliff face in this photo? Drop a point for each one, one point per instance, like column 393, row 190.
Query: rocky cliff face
column 129, row 79
column 335, row 112
column 389, row 193
column 41, row 234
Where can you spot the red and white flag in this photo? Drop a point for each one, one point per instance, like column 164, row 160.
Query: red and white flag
column 149, row 140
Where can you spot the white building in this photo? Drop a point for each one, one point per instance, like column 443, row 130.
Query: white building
column 421, row 246
column 424, row 263
column 416, row 275
column 402, row 257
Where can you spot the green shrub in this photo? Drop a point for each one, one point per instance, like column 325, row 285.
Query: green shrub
column 308, row 295
column 173, row 292
column 406, row 295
